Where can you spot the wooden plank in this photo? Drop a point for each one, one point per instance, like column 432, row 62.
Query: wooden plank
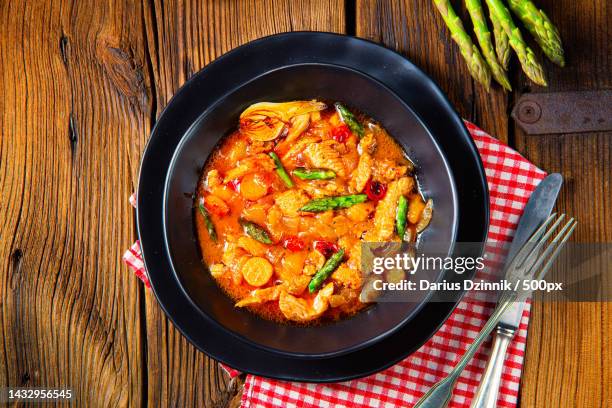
column 182, row 38
column 74, row 116
column 568, row 361
column 415, row 29
column 81, row 88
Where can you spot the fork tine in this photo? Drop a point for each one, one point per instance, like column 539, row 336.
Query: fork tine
column 542, row 257
column 542, row 228
column 558, row 248
column 526, row 250
column 538, row 239
column 552, row 228
column 541, row 239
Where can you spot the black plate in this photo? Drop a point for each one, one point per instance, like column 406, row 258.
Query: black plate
column 212, row 85
column 304, row 81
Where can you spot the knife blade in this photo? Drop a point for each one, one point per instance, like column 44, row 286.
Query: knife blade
column 537, row 210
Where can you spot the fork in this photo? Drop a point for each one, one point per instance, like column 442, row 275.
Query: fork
column 530, row 262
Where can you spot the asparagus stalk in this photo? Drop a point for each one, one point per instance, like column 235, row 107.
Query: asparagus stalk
column 484, row 39
column 349, row 120
column 332, row 203
column 529, row 62
column 210, row 227
column 400, row 217
column 326, row 270
column 255, row 231
column 280, row 170
column 313, row 174
column 543, row 30
column 502, row 47
column 476, row 64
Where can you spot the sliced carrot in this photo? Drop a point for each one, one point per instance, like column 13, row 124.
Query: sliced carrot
column 254, row 186
column 415, row 208
column 257, row 271
column 216, row 205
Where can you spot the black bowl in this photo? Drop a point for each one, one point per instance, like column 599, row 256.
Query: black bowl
column 193, row 313
column 293, row 82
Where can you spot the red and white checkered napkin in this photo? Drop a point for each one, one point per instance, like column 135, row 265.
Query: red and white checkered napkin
column 511, row 180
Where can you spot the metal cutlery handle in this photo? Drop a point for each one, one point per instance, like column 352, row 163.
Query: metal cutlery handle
column 486, row 395
column 440, row 394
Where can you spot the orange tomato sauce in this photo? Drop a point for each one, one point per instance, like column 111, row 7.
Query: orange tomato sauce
column 240, row 183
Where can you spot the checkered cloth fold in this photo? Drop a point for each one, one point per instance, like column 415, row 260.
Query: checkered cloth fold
column 511, row 180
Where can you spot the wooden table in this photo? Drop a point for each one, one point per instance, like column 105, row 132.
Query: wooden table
column 82, row 85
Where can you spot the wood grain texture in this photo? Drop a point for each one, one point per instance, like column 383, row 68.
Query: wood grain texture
column 82, row 84
column 182, row 38
column 415, row 29
column 568, row 360
column 74, row 109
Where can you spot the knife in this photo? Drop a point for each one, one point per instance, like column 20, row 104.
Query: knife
column 538, row 208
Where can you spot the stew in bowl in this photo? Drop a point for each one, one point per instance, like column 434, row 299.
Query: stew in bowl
column 286, row 201
column 248, row 181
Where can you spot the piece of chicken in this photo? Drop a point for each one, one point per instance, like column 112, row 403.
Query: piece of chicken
column 362, row 173
column 343, row 297
column 297, row 284
column 386, row 170
column 259, row 162
column 324, row 155
column 367, row 144
column 384, row 217
column 297, row 147
column 267, row 120
column 259, row 296
column 256, row 147
column 300, row 310
column 347, row 277
column 294, row 286
column 323, row 188
column 354, row 249
column 314, row 262
column 291, row 201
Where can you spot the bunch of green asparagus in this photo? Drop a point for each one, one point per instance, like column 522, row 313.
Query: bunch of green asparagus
column 506, row 36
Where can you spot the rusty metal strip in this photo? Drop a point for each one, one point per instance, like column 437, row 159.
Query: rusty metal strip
column 564, row 112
